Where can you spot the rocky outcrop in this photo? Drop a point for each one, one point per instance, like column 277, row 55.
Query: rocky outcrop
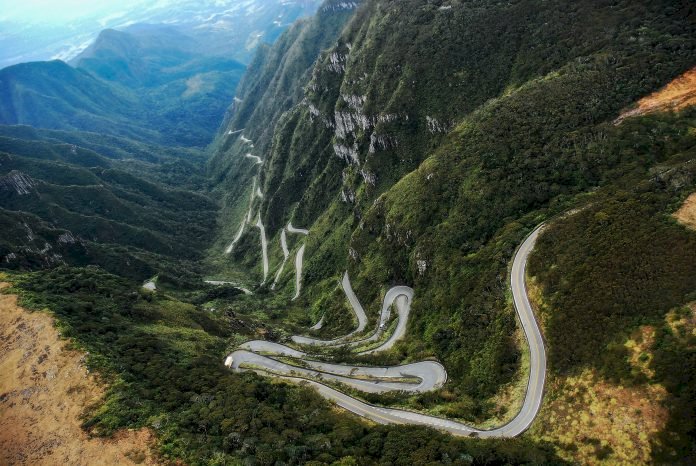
column 18, row 182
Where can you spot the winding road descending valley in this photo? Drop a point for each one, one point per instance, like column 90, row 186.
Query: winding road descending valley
column 300, row 231
column 264, row 248
column 359, row 314
column 286, row 254
column 299, row 257
column 236, row 239
column 416, row 377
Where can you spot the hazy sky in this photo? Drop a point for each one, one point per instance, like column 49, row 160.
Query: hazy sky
column 34, row 30
column 60, row 11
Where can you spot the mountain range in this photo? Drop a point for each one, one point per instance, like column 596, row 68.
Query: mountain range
column 377, row 155
column 230, row 28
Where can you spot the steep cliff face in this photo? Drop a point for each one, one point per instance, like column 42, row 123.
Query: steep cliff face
column 419, row 144
column 270, row 94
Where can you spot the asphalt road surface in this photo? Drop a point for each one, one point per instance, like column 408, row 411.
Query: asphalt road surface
column 261, row 356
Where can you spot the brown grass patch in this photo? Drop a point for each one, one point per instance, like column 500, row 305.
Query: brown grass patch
column 44, row 390
column 686, row 214
column 640, row 349
column 591, row 420
column 677, row 95
column 594, row 421
column 682, row 322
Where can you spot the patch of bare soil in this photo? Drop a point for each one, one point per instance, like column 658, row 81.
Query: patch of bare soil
column 44, row 390
column 687, row 212
column 677, row 95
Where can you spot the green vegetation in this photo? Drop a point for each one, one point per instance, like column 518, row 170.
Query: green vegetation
column 420, row 144
column 64, row 203
column 152, row 85
column 163, row 358
column 484, row 119
column 621, row 263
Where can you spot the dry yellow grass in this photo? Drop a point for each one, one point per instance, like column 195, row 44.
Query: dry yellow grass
column 640, row 349
column 678, row 94
column 44, row 390
column 596, row 422
column 687, row 212
column 683, row 326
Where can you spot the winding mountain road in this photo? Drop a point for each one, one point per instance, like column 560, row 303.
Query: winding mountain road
column 236, row 239
column 417, row 377
column 401, row 296
column 300, row 231
column 359, row 314
column 286, row 254
column 299, row 257
column 234, row 284
column 256, row 158
column 383, row 379
column 318, row 325
column 264, row 247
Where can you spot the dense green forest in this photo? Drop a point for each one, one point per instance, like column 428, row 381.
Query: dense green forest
column 403, row 150
column 419, row 142
column 163, row 359
column 621, row 262
column 138, row 211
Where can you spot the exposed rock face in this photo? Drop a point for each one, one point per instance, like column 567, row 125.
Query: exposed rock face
column 349, row 154
column 436, row 126
column 338, row 62
column 18, row 182
column 338, row 6
column 67, row 238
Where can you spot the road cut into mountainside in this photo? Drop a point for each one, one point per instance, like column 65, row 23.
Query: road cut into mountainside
column 264, row 248
column 401, row 296
column 237, row 237
column 417, row 377
column 254, row 157
column 318, row 325
column 286, row 254
column 299, row 231
column 299, row 257
column 222, row 282
column 359, row 315
column 262, row 356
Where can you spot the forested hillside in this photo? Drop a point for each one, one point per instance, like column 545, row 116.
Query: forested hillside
column 150, row 83
column 421, row 148
column 617, row 299
column 410, row 143
column 128, row 211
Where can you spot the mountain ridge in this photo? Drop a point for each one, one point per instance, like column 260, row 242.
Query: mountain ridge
column 395, row 154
